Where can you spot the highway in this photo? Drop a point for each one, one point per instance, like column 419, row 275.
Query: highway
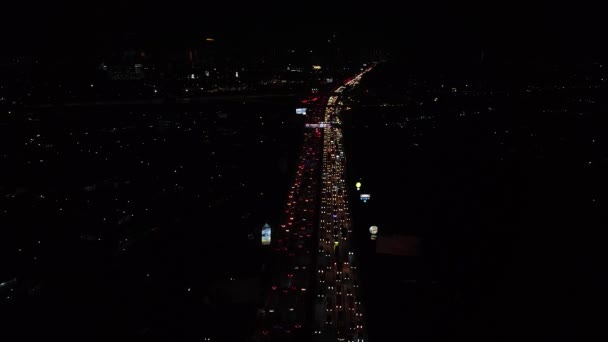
column 338, row 311
column 314, row 293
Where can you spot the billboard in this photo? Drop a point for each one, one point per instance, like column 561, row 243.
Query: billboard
column 301, row 111
column 364, row 197
column 266, row 231
column 401, row 245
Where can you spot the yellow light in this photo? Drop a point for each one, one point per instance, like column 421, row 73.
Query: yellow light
column 316, row 67
column 210, row 39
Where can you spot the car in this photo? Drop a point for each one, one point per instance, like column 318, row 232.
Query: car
column 328, row 319
column 349, row 292
column 351, row 306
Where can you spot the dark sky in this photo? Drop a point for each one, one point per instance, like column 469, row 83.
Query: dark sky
column 511, row 27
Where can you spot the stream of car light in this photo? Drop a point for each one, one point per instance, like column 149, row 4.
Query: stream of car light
column 333, row 287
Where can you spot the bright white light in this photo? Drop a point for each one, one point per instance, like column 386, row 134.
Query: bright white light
column 373, row 230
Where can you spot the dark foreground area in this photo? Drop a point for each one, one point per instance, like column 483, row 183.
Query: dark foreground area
column 495, row 198
column 140, row 222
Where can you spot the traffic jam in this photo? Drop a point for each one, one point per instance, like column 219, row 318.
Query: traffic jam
column 339, row 314
column 314, row 285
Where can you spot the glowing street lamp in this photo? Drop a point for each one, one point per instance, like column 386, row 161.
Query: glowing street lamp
column 358, row 185
column 373, row 230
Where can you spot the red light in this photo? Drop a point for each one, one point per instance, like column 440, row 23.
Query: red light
column 298, row 326
column 274, row 287
column 264, row 332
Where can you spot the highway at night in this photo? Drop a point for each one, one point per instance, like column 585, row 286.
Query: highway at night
column 338, row 314
column 314, row 283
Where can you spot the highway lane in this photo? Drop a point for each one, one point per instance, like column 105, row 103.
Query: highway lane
column 342, row 318
column 285, row 315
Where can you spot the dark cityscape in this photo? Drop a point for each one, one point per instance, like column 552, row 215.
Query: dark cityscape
column 421, row 171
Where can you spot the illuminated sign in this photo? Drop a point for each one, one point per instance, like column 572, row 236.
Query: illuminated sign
column 316, row 67
column 266, row 231
column 301, row 111
column 209, row 39
column 318, row 125
column 364, row 197
column 373, row 230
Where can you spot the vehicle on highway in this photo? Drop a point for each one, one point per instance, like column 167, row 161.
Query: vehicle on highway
column 329, row 307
